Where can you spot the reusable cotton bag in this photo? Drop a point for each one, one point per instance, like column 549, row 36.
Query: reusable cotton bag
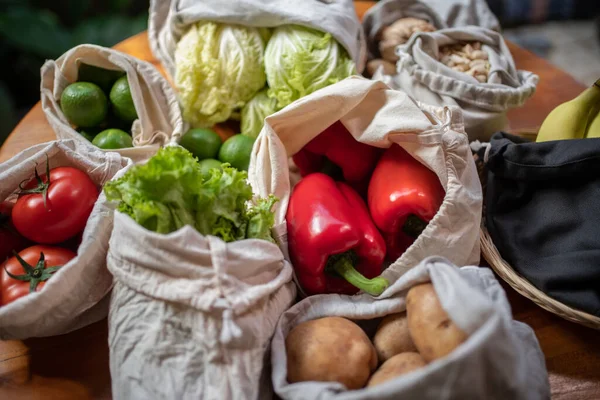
column 159, row 117
column 75, row 295
column 379, row 116
column 191, row 317
column 501, row 359
column 484, row 105
column 169, row 19
column 439, row 13
column 542, row 213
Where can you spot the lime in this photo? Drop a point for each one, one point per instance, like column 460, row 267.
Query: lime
column 89, row 135
column 202, row 143
column 236, row 151
column 207, row 164
column 112, row 139
column 121, row 100
column 102, row 77
column 84, row 104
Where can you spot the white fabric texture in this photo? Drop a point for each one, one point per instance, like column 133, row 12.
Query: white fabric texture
column 169, row 19
column 379, row 116
column 439, row 13
column 484, row 105
column 386, row 12
column 191, row 317
column 159, row 116
column 501, row 359
column 75, row 296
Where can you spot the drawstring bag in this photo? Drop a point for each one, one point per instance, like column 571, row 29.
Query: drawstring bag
column 501, row 358
column 159, row 118
column 484, row 105
column 75, row 295
column 386, row 12
column 170, row 18
column 379, row 116
column 439, row 13
column 542, row 214
column 191, row 317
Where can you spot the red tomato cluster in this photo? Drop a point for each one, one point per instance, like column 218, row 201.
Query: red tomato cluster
column 39, row 232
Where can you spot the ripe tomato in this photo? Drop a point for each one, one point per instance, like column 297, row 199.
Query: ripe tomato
column 30, row 270
column 10, row 239
column 54, row 210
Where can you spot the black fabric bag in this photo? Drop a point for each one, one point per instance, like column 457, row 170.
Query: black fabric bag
column 542, row 211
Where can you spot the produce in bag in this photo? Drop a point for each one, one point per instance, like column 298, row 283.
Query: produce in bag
column 219, row 68
column 358, row 105
column 219, row 54
column 462, row 313
column 484, row 83
column 403, row 197
column 10, row 239
column 391, row 23
column 255, row 112
column 199, row 285
column 300, row 60
column 27, row 271
column 467, row 58
column 113, row 100
column 345, row 253
column 57, row 280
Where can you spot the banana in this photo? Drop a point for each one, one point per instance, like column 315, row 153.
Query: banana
column 571, row 120
column 594, row 128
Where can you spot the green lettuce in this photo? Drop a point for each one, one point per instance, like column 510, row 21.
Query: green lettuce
column 255, row 112
column 218, row 68
column 170, row 191
column 300, row 60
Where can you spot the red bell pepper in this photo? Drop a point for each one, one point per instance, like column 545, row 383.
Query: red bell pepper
column 404, row 195
column 333, row 244
column 356, row 160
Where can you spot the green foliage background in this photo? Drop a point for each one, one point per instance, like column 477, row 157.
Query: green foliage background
column 32, row 31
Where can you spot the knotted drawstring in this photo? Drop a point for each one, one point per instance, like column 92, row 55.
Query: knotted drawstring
column 229, row 330
column 476, row 147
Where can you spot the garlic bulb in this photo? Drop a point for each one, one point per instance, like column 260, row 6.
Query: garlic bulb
column 467, row 58
column 398, row 33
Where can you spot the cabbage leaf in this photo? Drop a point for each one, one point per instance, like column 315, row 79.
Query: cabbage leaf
column 301, row 60
column 255, row 112
column 219, row 67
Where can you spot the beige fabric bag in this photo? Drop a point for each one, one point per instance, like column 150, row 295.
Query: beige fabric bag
column 379, row 116
column 76, row 295
column 191, row 317
column 169, row 18
column 500, row 360
column 159, row 117
column 484, row 105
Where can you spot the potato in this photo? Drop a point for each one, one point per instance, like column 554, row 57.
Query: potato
column 400, row 364
column 432, row 331
column 392, row 337
column 330, row 349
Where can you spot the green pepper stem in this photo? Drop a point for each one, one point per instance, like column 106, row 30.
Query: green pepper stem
column 344, row 267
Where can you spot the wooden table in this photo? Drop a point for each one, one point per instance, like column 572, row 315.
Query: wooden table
column 75, row 366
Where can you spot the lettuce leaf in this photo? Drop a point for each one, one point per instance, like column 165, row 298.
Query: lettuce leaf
column 261, row 219
column 170, row 191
